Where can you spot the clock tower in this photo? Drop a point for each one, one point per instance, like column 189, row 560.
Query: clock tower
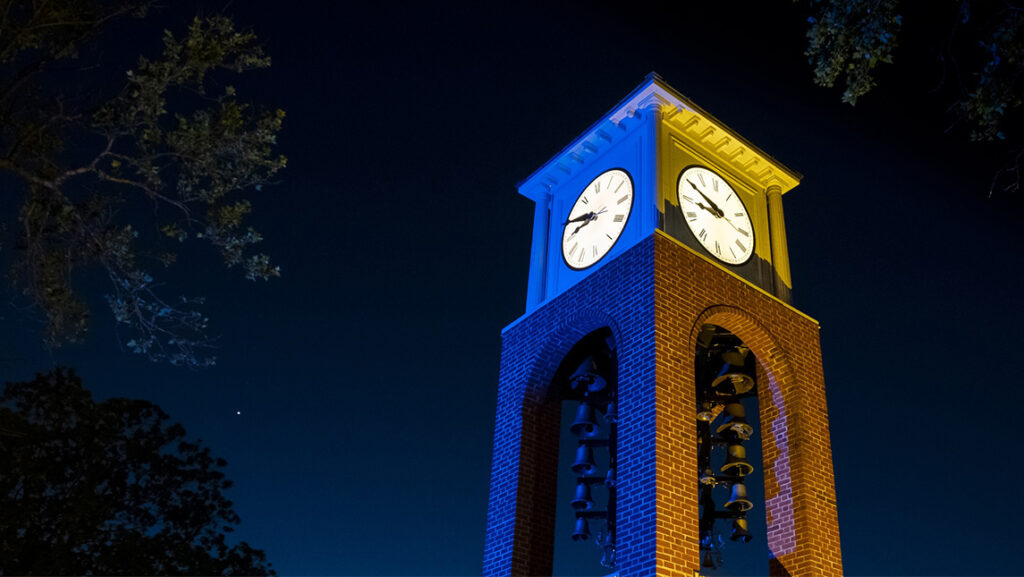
column 658, row 307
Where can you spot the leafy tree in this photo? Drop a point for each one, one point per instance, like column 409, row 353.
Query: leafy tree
column 978, row 44
column 109, row 488
column 170, row 136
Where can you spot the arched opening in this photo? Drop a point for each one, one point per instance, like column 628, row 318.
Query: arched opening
column 730, row 478
column 585, row 386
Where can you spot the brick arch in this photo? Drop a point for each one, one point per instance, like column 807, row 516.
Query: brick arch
column 775, row 370
column 558, row 342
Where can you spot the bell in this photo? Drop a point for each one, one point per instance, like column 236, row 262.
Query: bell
column 739, row 531
column 736, row 462
column 709, row 562
column 584, row 464
column 706, row 413
column 582, row 531
column 612, row 412
column 708, row 478
column 735, row 424
column 586, row 376
column 609, row 479
column 738, row 499
column 733, row 379
column 582, row 501
column 585, row 424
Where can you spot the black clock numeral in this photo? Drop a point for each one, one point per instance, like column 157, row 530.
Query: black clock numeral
column 743, row 232
column 704, row 234
column 714, row 185
column 740, row 214
column 718, row 249
column 623, row 199
column 687, row 198
column 594, row 248
column 584, row 200
column 733, row 252
column 619, row 218
column 700, row 177
column 619, row 186
column 597, row 186
column 610, row 237
column 582, row 253
column 573, row 249
column 691, row 215
column 740, row 244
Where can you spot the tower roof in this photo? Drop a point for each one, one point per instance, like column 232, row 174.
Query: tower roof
column 705, row 132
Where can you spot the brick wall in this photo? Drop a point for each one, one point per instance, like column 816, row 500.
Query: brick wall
column 655, row 298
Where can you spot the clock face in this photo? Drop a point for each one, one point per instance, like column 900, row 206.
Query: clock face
column 597, row 219
column 716, row 215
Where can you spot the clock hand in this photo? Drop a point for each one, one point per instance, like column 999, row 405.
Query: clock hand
column 717, row 211
column 578, row 218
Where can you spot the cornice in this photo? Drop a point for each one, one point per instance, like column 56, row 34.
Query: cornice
column 654, row 99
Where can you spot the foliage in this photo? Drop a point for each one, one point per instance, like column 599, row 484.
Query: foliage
column 108, row 488
column 980, row 47
column 848, row 39
column 171, row 136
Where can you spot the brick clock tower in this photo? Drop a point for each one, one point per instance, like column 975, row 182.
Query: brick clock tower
column 658, row 311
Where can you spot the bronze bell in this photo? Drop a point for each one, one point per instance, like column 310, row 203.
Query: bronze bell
column 586, row 376
column 609, row 479
column 585, row 424
column 709, row 561
column 584, row 464
column 582, row 531
column 738, row 499
column 582, row 501
column 735, row 423
column 736, row 462
column 739, row 531
column 733, row 378
column 708, row 478
column 612, row 412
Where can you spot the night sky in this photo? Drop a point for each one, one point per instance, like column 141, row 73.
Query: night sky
column 366, row 376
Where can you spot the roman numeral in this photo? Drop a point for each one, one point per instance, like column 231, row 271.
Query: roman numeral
column 623, row 199
column 597, row 187
column 619, row 186
column 704, row 234
column 700, row 177
column 740, row 214
column 718, row 249
column 584, row 200
column 714, row 184
column 610, row 237
column 687, row 198
column 691, row 215
column 743, row 232
column 594, row 248
column 727, row 199
column 740, row 244
column 733, row 252
column 573, row 249
column 619, row 217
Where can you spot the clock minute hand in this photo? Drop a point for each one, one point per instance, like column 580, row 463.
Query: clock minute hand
column 716, row 211
column 578, row 218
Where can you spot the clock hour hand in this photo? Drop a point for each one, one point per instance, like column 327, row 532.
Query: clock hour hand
column 586, row 217
column 714, row 207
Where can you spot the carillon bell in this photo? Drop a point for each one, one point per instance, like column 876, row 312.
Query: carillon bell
column 739, row 531
column 609, row 479
column 584, row 464
column 736, row 462
column 735, row 424
column 732, row 378
column 587, row 376
column 738, row 499
column 585, row 424
column 582, row 531
column 612, row 412
column 582, row 501
column 709, row 561
column 708, row 478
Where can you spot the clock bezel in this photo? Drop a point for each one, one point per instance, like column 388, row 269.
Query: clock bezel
column 679, row 205
column 632, row 200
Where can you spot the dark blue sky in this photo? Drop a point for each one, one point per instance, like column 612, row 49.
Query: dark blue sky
column 366, row 375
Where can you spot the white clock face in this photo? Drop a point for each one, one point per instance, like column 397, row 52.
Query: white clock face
column 716, row 215
column 597, row 219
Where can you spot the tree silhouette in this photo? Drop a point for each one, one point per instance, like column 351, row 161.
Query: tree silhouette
column 109, row 488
